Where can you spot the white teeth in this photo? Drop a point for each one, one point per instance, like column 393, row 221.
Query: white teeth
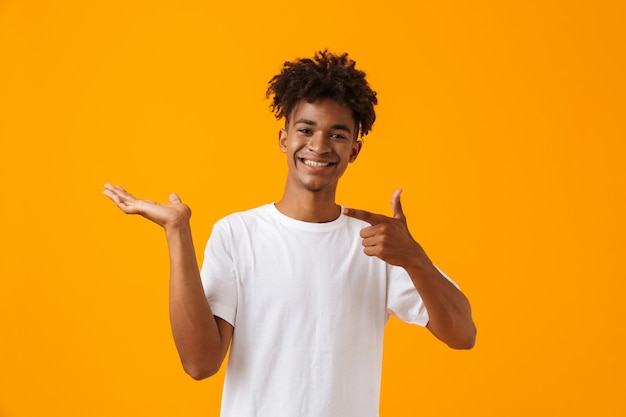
column 316, row 164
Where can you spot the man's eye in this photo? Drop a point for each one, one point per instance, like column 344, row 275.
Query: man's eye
column 305, row 131
column 337, row 136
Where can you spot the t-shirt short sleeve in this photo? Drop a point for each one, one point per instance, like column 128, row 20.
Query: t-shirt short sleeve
column 403, row 300
column 218, row 273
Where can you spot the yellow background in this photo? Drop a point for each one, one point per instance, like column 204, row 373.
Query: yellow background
column 503, row 122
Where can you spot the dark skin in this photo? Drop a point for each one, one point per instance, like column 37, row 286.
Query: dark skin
column 320, row 141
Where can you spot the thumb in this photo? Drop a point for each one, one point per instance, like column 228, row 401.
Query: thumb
column 396, row 205
column 174, row 198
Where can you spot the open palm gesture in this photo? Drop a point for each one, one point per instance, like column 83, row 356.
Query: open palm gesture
column 167, row 215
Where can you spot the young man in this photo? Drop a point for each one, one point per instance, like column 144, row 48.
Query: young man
column 301, row 289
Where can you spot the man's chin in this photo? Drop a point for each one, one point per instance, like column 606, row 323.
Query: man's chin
column 315, row 187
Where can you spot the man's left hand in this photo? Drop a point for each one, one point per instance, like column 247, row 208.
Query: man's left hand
column 388, row 238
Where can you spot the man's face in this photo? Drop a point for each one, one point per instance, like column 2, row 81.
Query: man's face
column 319, row 140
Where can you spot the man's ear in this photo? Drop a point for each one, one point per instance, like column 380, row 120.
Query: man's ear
column 356, row 148
column 282, row 140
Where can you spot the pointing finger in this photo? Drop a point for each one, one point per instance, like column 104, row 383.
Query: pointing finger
column 366, row 216
column 396, row 205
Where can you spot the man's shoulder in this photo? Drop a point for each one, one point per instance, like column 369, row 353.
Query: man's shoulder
column 247, row 216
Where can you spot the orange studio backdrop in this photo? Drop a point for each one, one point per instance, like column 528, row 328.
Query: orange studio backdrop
column 502, row 121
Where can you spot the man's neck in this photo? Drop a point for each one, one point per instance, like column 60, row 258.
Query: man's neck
column 312, row 207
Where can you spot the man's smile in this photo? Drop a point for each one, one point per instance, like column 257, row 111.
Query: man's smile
column 316, row 164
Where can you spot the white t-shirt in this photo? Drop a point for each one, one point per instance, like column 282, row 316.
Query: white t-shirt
column 308, row 308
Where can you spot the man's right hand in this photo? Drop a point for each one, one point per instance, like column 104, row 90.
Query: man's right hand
column 170, row 215
column 201, row 338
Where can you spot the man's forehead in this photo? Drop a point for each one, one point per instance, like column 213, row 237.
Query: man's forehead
column 321, row 108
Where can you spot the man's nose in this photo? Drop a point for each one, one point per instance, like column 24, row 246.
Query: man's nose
column 319, row 143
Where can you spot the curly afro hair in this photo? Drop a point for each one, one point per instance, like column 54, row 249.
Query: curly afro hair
column 325, row 76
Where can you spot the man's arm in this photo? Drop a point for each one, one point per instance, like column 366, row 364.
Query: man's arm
column 388, row 238
column 202, row 339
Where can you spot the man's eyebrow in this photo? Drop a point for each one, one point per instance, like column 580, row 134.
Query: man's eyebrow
column 334, row 127
column 342, row 127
